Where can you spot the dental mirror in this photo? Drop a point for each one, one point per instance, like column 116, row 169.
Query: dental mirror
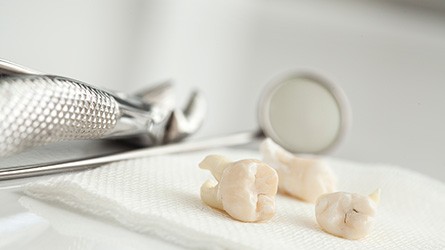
column 303, row 113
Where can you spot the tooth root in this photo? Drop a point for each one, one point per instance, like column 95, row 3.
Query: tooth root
column 209, row 194
column 184, row 123
column 216, row 164
column 375, row 196
column 317, row 174
column 275, row 154
column 161, row 95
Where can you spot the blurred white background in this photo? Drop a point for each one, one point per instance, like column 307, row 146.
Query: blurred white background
column 388, row 56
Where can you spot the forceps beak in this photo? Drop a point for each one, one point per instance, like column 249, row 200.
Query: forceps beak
column 185, row 122
column 161, row 95
column 182, row 123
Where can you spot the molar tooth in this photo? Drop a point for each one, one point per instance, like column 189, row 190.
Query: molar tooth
column 346, row 215
column 303, row 178
column 245, row 189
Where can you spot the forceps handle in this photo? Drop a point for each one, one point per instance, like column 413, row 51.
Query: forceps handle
column 88, row 163
column 41, row 109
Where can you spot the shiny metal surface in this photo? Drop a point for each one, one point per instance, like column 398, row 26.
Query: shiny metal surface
column 82, row 164
column 9, row 68
column 36, row 110
column 41, row 109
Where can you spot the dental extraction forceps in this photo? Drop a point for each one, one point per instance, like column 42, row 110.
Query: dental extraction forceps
column 37, row 109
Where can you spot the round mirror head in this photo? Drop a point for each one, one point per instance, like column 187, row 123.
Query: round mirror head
column 304, row 113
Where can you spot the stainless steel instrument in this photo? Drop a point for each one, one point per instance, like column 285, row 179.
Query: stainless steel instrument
column 38, row 109
column 300, row 111
column 87, row 163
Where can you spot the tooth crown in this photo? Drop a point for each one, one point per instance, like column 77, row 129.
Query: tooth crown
column 346, row 215
column 246, row 189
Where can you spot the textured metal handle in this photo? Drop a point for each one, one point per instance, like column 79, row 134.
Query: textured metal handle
column 37, row 109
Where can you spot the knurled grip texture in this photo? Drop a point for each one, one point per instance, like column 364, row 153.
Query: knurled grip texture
column 36, row 110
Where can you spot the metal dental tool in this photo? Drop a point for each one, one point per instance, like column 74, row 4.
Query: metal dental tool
column 38, row 109
column 300, row 111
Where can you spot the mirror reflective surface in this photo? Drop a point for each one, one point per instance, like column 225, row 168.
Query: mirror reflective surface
column 304, row 113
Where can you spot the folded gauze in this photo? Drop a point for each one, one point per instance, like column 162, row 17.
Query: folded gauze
column 161, row 196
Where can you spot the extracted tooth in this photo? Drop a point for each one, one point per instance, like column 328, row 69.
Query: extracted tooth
column 347, row 215
column 303, row 178
column 188, row 121
column 245, row 189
